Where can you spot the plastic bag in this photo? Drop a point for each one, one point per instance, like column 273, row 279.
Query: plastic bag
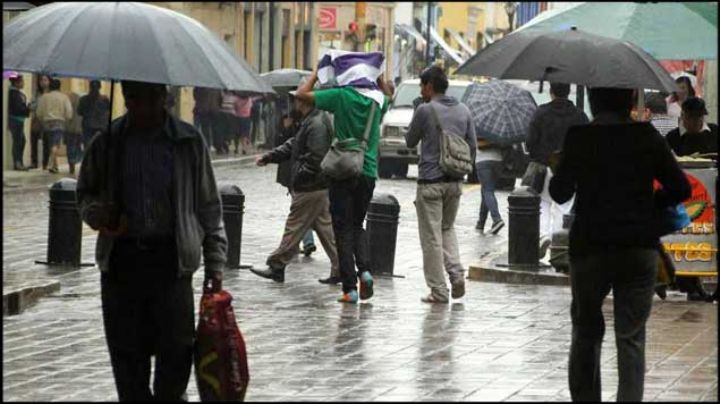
column 221, row 368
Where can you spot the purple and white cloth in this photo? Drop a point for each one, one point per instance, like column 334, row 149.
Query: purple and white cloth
column 359, row 70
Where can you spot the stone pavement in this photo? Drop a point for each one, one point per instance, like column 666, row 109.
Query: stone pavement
column 500, row 342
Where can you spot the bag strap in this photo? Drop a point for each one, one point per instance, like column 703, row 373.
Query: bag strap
column 368, row 124
column 439, row 128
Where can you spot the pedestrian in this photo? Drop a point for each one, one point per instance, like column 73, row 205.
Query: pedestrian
column 438, row 194
column 546, row 134
column 309, row 189
column 694, row 136
column 18, row 111
column 677, row 98
column 207, row 105
column 350, row 198
column 610, row 166
column 659, row 117
column 55, row 112
column 94, row 108
column 230, row 123
column 37, row 134
column 488, row 165
column 243, row 111
column 156, row 205
column 73, row 134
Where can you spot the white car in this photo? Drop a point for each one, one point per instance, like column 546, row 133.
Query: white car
column 394, row 154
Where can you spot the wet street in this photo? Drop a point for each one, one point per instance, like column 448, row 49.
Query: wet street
column 500, row 342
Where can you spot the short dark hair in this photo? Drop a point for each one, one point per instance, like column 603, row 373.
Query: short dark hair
column 15, row 80
column 561, row 90
column 688, row 83
column 655, row 102
column 694, row 106
column 436, row 76
column 132, row 89
column 608, row 99
column 54, row 84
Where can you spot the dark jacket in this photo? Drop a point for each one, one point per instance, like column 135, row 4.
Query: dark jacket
column 306, row 150
column 284, row 168
column 198, row 213
column 549, row 126
column 689, row 143
column 610, row 169
column 17, row 104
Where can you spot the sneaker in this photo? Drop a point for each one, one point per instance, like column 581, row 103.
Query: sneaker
column 350, row 297
column 497, row 226
column 480, row 226
column 544, row 245
column 366, row 285
column 332, row 280
column 432, row 299
column 309, row 249
column 458, row 289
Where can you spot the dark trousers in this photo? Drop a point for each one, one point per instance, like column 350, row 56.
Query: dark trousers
column 349, row 201
column 204, row 122
column 18, row 140
column 148, row 310
column 35, row 138
column 631, row 275
column 88, row 135
column 488, row 172
column 73, row 144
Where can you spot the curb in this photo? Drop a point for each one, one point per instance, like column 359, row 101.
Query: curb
column 496, row 270
column 17, row 301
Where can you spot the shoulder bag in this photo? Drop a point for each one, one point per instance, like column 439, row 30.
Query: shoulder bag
column 345, row 158
column 455, row 158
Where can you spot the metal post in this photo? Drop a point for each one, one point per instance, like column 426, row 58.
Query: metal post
column 524, row 230
column 427, row 33
column 382, row 224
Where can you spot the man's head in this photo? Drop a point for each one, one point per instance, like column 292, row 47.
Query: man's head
column 615, row 100
column 655, row 102
column 94, row 86
column 54, row 84
column 302, row 107
column 17, row 81
column 559, row 90
column 693, row 114
column 43, row 82
column 433, row 81
column 145, row 103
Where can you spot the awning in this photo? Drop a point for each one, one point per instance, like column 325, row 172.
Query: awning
column 450, row 51
column 459, row 39
column 411, row 31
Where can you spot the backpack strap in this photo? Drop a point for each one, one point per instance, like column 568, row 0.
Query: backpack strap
column 435, row 117
column 368, row 124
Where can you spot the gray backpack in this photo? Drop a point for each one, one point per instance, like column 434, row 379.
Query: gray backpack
column 455, row 158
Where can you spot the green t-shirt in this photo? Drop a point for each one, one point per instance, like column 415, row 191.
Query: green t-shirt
column 351, row 110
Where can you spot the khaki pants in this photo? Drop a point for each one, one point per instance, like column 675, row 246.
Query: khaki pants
column 308, row 210
column 437, row 206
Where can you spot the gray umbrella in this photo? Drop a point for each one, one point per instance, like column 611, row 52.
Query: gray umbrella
column 124, row 41
column 570, row 56
column 285, row 77
column 501, row 111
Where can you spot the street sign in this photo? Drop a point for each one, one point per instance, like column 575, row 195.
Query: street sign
column 328, row 18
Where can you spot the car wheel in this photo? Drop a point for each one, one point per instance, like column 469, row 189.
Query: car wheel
column 385, row 169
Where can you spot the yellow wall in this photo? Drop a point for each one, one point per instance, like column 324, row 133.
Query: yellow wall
column 454, row 15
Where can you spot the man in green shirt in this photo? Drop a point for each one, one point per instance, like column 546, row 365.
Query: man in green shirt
column 349, row 199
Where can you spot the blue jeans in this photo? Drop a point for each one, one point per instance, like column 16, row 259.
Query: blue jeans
column 308, row 240
column 631, row 274
column 488, row 172
column 18, row 138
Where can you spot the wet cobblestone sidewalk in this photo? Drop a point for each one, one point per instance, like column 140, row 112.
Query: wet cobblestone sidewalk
column 500, row 342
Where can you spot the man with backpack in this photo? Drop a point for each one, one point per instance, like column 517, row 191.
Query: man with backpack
column 443, row 124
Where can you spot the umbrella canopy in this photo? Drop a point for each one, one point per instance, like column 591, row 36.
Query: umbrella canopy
column 501, row 111
column 650, row 25
column 124, row 41
column 285, row 77
column 571, row 56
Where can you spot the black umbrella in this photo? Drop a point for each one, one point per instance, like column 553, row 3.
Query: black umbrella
column 285, row 77
column 571, row 56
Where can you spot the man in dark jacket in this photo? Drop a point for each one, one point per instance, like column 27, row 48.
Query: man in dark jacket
column 18, row 111
column 94, row 108
column 149, row 188
column 546, row 135
column 610, row 166
column 310, row 207
column 696, row 136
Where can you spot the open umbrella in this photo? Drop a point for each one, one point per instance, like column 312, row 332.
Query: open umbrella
column 285, row 77
column 501, row 111
column 124, row 41
column 651, row 26
column 571, row 56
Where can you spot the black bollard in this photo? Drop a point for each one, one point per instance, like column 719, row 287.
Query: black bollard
column 233, row 203
column 524, row 231
column 64, row 225
column 382, row 224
